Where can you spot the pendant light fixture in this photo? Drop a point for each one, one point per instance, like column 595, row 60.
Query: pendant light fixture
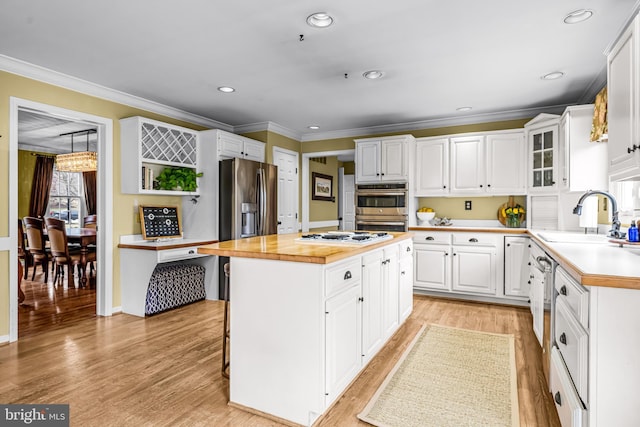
column 80, row 161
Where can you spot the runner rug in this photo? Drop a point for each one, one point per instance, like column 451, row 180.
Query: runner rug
column 449, row 377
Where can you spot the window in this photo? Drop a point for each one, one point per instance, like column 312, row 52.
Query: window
column 66, row 197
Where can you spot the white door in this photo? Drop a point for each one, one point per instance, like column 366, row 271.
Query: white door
column 347, row 204
column 287, row 162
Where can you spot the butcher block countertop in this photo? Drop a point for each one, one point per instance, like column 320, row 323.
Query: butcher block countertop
column 284, row 247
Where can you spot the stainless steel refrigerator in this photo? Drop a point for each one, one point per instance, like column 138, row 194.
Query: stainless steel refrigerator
column 248, row 202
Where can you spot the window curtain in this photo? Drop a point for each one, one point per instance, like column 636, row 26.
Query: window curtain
column 89, row 179
column 599, row 126
column 41, row 187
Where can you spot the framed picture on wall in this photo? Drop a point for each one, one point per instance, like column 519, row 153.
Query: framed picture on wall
column 322, row 187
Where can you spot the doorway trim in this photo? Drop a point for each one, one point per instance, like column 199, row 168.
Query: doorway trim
column 104, row 276
column 305, row 180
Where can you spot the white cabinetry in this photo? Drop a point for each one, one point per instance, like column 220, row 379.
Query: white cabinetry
column 150, row 145
column 343, row 331
column 582, row 164
column 474, row 263
column 390, row 288
column 542, row 139
column 432, row 261
column 486, row 163
column 372, row 297
column 516, row 269
column 236, row 146
column 382, row 159
column 432, row 167
column 623, row 104
column 405, row 303
column 467, row 164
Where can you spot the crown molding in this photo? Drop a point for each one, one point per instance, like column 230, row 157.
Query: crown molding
column 268, row 126
column 436, row 123
column 45, row 75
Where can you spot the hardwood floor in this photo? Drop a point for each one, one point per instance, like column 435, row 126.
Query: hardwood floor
column 164, row 370
column 47, row 307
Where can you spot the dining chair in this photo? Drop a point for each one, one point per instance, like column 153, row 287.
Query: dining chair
column 37, row 246
column 62, row 255
column 23, row 250
column 90, row 221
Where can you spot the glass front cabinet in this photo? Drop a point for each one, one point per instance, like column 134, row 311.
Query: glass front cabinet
column 542, row 137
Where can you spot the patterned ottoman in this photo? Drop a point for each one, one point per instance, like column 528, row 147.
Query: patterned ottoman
column 173, row 285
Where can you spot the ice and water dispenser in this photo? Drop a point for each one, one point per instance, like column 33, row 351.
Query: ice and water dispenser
column 249, row 215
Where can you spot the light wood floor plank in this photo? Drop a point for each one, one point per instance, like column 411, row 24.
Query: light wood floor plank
column 164, row 370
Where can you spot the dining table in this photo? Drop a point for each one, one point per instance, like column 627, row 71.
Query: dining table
column 84, row 237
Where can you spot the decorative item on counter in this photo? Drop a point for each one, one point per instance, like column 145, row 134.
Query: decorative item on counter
column 632, row 232
column 511, row 214
column 424, row 215
column 442, row 221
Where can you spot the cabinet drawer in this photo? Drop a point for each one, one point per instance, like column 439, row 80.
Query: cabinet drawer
column 573, row 343
column 574, row 295
column 168, row 255
column 406, row 248
column 435, row 237
column 570, row 409
column 476, row 239
column 342, row 275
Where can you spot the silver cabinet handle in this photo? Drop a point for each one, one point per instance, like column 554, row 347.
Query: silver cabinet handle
column 429, row 238
column 473, row 240
column 347, row 275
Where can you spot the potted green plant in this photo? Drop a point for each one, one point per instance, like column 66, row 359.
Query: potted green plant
column 178, row 179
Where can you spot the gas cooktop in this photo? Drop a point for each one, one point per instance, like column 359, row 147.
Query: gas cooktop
column 344, row 237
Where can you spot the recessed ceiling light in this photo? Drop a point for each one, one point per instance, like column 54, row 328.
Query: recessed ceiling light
column 579, row 15
column 319, row 20
column 463, row 109
column 373, row 74
column 314, row 127
column 226, row 89
column 552, row 76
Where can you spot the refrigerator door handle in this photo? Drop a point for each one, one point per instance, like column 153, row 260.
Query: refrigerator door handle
column 262, row 201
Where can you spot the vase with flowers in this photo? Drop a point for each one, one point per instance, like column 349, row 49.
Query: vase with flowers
column 513, row 215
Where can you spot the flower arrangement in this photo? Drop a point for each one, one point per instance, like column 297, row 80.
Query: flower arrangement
column 512, row 215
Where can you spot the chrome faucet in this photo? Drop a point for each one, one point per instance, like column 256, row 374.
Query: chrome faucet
column 615, row 222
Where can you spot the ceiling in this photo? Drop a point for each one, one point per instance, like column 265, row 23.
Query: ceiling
column 436, row 56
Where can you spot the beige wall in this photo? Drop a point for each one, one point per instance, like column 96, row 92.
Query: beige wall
column 482, row 208
column 320, row 210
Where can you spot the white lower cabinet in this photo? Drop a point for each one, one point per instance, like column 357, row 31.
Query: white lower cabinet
column 474, row 269
column 570, row 409
column 536, row 297
column 405, row 284
column 372, row 296
column 390, row 287
column 343, row 329
column 432, row 261
column 516, row 270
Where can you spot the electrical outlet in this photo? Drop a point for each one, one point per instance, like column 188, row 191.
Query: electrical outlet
column 467, row 205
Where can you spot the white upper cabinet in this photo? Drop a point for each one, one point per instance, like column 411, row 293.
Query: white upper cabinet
column 488, row 164
column 236, row 146
column 506, row 156
column 467, row 165
column 582, row 164
column 542, row 139
column 623, row 104
column 382, row 159
column 148, row 147
column 432, row 166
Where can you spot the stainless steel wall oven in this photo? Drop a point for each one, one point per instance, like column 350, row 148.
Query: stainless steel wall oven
column 382, row 207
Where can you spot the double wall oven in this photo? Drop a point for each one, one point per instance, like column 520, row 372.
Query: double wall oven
column 382, row 207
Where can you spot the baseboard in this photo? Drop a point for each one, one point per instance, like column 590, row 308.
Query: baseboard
column 4, row 339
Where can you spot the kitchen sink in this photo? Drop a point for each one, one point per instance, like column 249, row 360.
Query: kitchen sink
column 561, row 237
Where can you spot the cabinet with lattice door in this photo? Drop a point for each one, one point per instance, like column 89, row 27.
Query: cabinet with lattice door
column 148, row 147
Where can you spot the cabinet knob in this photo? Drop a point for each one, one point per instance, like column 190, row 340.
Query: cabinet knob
column 408, row 249
column 529, row 281
column 454, row 254
column 446, row 254
column 480, row 185
column 382, row 173
column 563, row 338
column 508, row 244
column 360, row 299
column 557, row 398
column 242, row 152
column 488, row 185
column 563, row 290
column 444, row 186
column 402, row 273
column 377, row 174
column 347, row 275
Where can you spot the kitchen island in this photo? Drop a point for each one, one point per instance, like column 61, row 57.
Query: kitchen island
column 306, row 317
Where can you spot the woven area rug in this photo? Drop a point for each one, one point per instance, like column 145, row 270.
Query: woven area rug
column 449, row 377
